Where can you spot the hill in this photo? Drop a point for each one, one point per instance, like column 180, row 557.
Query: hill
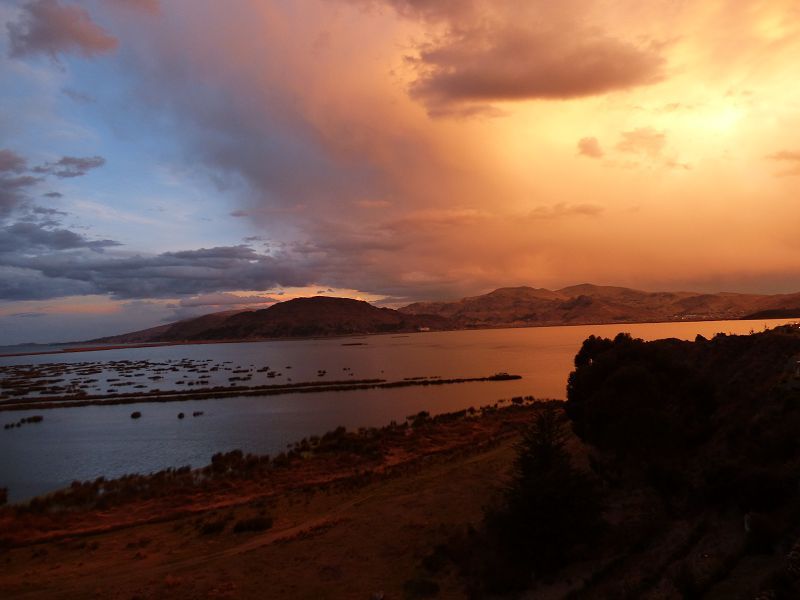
column 302, row 317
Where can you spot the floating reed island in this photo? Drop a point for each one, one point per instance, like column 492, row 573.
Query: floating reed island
column 58, row 385
column 240, row 391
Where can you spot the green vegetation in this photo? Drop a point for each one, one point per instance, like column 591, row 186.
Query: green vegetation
column 690, row 487
column 549, row 514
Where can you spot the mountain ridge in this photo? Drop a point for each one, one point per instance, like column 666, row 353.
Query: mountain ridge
column 520, row 306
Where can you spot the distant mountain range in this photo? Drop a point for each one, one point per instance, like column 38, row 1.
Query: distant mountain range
column 504, row 307
column 592, row 304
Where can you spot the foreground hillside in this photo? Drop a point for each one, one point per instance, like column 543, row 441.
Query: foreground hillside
column 342, row 516
column 505, row 307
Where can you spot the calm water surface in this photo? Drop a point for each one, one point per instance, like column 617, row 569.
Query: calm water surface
column 87, row 442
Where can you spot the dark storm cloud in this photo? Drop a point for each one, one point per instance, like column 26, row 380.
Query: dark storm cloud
column 167, row 275
column 49, row 27
column 18, row 283
column 71, row 166
column 24, row 237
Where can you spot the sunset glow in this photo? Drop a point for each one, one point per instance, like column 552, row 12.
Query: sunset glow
column 157, row 153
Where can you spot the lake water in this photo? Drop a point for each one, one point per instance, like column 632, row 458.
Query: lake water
column 87, row 442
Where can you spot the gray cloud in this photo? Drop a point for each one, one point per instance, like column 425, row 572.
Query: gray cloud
column 78, row 96
column 12, row 162
column 41, row 210
column 167, row 275
column 18, row 283
column 25, row 237
column 225, row 299
column 17, row 180
column 13, row 191
column 49, row 27
column 71, row 166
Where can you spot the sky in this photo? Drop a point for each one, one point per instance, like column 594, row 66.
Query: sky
column 161, row 159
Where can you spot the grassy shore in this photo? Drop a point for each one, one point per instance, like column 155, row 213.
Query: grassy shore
column 346, row 515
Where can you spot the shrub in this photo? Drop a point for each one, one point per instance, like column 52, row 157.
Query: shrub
column 639, row 399
column 420, row 587
column 259, row 523
column 549, row 511
column 213, row 527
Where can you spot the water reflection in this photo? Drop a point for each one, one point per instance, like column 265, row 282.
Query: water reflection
column 87, row 442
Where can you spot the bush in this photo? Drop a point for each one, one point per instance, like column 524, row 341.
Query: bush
column 213, row 527
column 550, row 507
column 549, row 513
column 253, row 524
column 639, row 399
column 420, row 587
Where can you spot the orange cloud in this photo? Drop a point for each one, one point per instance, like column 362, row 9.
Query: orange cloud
column 589, row 146
column 644, row 140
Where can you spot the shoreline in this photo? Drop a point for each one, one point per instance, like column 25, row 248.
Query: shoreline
column 120, row 346
column 313, row 462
